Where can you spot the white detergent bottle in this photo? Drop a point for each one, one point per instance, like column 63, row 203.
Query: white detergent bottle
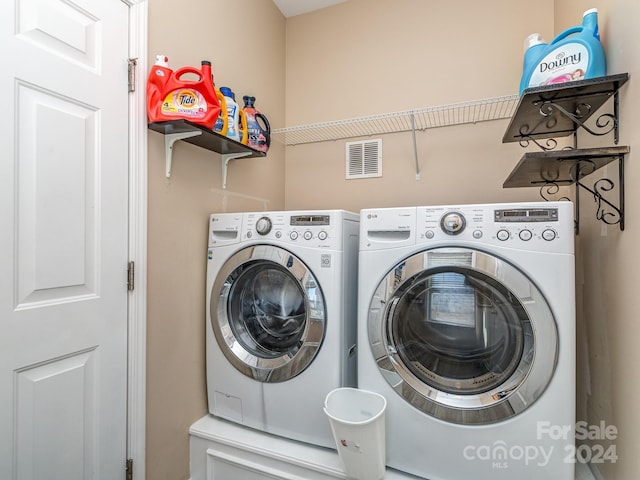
column 575, row 54
column 233, row 114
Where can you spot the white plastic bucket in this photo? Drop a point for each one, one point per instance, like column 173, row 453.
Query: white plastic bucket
column 358, row 425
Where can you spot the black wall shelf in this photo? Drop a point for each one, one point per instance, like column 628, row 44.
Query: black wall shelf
column 544, row 113
column 559, row 110
column 175, row 130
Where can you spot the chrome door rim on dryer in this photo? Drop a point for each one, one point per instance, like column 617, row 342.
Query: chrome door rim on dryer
column 292, row 351
column 468, row 400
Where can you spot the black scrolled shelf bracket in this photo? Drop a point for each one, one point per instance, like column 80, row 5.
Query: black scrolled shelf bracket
column 606, row 211
column 606, row 123
column 549, row 144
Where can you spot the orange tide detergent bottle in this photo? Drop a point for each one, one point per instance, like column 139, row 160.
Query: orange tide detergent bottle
column 170, row 97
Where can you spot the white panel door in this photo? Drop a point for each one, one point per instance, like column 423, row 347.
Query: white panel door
column 63, row 239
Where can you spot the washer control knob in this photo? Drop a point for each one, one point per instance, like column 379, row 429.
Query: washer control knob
column 293, row 235
column 525, row 235
column 307, row 235
column 263, row 225
column 549, row 234
column 453, row 223
column 322, row 235
column 502, row 235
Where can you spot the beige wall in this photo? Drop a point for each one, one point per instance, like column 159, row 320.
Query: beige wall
column 608, row 263
column 367, row 57
column 244, row 40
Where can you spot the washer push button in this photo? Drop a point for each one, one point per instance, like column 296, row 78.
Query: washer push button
column 502, row 235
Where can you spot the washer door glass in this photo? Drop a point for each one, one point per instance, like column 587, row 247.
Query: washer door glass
column 269, row 316
column 458, row 332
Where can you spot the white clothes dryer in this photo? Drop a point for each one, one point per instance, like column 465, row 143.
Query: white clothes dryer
column 467, row 327
column 281, row 318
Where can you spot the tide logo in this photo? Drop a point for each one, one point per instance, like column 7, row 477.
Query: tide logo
column 187, row 99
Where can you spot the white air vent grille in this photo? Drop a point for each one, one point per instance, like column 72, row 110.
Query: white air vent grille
column 364, row 159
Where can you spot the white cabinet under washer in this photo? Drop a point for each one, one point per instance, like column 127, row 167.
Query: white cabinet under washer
column 221, row 450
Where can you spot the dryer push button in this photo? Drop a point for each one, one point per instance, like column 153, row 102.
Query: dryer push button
column 502, row 235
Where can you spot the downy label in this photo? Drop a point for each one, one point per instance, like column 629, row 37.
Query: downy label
column 564, row 64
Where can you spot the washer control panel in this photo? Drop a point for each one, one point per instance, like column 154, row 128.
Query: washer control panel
column 289, row 227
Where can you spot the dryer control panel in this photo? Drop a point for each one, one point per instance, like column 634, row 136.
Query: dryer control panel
column 535, row 226
column 524, row 226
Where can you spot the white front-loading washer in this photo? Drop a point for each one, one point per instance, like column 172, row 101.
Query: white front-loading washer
column 466, row 324
column 281, row 318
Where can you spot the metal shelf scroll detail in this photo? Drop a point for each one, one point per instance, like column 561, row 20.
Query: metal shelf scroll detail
column 606, row 211
column 545, row 113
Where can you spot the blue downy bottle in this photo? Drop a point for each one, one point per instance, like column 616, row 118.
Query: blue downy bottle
column 575, row 54
column 534, row 49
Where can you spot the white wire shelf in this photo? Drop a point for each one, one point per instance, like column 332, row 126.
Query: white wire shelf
column 408, row 120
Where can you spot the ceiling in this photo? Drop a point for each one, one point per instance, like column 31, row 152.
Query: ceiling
column 291, row 8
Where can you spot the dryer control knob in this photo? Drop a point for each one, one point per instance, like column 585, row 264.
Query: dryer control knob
column 453, row 223
column 263, row 225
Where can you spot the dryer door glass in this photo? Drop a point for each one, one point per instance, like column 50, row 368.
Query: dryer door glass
column 463, row 335
column 458, row 330
column 268, row 313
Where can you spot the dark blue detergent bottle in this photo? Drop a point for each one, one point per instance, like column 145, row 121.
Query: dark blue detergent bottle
column 258, row 126
column 575, row 54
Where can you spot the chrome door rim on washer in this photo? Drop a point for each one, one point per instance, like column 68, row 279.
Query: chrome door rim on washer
column 528, row 378
column 271, row 366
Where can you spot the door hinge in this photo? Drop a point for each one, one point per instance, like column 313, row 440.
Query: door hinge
column 131, row 273
column 129, row 469
column 133, row 62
